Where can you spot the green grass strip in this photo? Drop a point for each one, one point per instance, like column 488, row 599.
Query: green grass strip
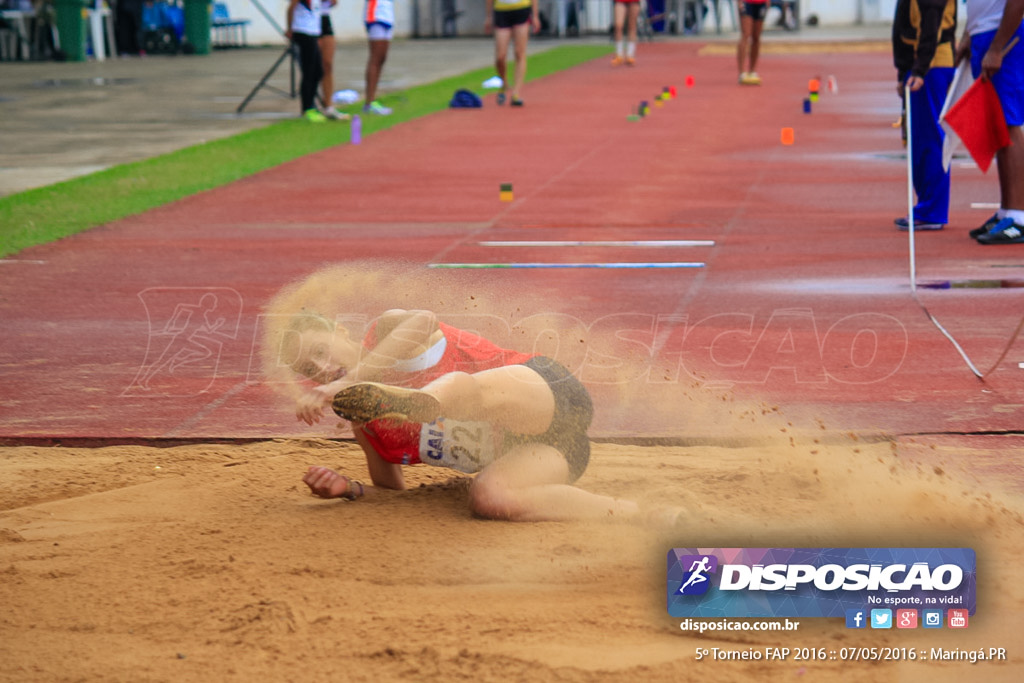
column 49, row 213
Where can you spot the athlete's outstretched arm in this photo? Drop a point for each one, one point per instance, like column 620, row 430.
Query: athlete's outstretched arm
column 383, row 474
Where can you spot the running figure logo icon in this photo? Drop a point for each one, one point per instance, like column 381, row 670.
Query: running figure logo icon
column 189, row 328
column 696, row 580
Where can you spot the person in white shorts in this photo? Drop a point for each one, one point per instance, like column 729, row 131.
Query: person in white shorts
column 303, row 30
column 380, row 20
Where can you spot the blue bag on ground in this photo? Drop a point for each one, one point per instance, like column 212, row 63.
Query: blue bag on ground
column 464, row 99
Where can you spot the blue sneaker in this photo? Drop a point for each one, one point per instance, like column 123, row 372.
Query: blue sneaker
column 985, row 227
column 904, row 225
column 1005, row 231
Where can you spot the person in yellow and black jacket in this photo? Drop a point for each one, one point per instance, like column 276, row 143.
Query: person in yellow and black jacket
column 923, row 47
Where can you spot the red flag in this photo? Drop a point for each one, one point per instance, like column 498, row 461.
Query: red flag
column 977, row 119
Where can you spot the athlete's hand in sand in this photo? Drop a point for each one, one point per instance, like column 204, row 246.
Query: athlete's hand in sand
column 327, row 483
column 310, row 406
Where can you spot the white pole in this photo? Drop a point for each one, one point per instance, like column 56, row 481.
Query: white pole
column 910, row 230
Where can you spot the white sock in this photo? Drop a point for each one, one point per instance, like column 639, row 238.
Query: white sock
column 1001, row 213
column 620, row 48
column 631, row 49
column 1016, row 214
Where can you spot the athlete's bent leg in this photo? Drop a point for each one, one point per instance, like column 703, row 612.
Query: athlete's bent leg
column 529, row 484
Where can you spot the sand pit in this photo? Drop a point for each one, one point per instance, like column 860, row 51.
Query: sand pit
column 211, row 563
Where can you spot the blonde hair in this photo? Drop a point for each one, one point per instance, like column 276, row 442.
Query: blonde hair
column 306, row 320
column 314, row 303
column 343, row 296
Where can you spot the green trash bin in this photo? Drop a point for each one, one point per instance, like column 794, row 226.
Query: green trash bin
column 71, row 18
column 198, row 25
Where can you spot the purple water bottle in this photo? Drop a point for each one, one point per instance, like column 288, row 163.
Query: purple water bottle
column 357, row 130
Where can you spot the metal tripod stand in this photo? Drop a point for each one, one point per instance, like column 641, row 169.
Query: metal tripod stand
column 288, row 52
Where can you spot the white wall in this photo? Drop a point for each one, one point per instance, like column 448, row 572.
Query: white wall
column 347, row 18
column 348, row 25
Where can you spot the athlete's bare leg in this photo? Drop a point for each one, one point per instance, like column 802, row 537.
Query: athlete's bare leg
column 755, row 43
column 530, row 484
column 374, row 65
column 520, row 37
column 327, row 46
column 513, row 397
column 743, row 46
column 1010, row 165
column 502, row 38
column 631, row 21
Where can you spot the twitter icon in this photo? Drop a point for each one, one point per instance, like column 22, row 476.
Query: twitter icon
column 881, row 618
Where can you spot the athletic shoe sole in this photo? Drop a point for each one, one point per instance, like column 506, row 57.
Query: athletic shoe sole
column 904, row 225
column 368, row 401
column 923, row 227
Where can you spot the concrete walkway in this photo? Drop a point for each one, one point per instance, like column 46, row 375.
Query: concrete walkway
column 61, row 120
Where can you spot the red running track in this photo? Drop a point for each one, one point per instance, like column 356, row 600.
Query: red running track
column 804, row 301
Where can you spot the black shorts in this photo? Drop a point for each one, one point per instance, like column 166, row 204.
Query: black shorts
column 326, row 28
column 574, row 412
column 755, row 10
column 513, row 17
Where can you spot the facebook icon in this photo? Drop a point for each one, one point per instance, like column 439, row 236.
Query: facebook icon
column 856, row 618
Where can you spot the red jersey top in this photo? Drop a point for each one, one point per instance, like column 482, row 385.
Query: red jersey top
column 458, row 351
